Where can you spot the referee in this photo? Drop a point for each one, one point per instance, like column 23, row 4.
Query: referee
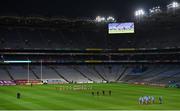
column 18, row 95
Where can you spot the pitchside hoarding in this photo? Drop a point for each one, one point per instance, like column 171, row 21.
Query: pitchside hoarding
column 7, row 83
column 121, row 28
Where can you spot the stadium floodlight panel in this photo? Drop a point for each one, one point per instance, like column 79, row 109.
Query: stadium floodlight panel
column 155, row 10
column 100, row 19
column 173, row 5
column 110, row 18
column 139, row 12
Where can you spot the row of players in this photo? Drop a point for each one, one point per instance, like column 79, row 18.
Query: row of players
column 149, row 99
column 103, row 93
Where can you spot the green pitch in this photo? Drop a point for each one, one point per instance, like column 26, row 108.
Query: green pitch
column 124, row 96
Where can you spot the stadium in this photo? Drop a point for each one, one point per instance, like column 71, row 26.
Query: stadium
column 104, row 63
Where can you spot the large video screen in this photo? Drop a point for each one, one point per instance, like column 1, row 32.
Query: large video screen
column 120, row 28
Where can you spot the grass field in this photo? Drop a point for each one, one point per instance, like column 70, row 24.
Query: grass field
column 123, row 96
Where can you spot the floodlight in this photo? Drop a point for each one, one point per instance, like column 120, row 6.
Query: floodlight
column 111, row 19
column 100, row 19
column 103, row 19
column 173, row 5
column 139, row 12
column 155, row 10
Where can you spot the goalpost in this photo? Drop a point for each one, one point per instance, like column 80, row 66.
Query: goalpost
column 28, row 71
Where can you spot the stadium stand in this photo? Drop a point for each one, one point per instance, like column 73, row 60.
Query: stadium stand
column 63, row 42
column 71, row 75
column 19, row 73
column 94, row 37
column 48, row 73
column 4, row 75
column 90, row 73
column 86, row 74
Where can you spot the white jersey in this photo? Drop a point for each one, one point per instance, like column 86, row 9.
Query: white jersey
column 152, row 98
column 149, row 98
column 142, row 99
column 146, row 99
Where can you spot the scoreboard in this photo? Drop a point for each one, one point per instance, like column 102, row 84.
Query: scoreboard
column 120, row 28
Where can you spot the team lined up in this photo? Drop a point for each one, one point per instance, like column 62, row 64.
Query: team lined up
column 103, row 93
column 149, row 100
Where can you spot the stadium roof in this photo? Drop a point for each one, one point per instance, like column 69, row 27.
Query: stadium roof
column 77, row 8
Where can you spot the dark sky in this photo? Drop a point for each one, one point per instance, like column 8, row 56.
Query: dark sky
column 76, row 8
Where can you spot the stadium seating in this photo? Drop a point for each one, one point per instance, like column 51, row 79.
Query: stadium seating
column 91, row 73
column 20, row 73
column 71, row 75
column 47, row 72
column 3, row 74
column 54, row 39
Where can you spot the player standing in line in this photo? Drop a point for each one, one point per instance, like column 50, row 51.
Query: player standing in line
column 160, row 100
column 140, row 100
column 103, row 92
column 18, row 95
column 97, row 93
column 109, row 92
column 149, row 98
column 93, row 93
column 146, row 99
column 152, row 99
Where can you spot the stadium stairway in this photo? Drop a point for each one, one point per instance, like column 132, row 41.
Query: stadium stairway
column 118, row 72
column 109, row 72
column 136, row 77
column 152, row 72
column 70, row 74
column 122, row 75
column 47, row 72
column 60, row 75
column 76, row 69
column 4, row 75
column 37, row 77
column 168, row 75
column 9, row 74
column 94, row 68
column 20, row 73
column 103, row 71
column 31, row 71
column 90, row 73
column 142, row 76
column 154, row 77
